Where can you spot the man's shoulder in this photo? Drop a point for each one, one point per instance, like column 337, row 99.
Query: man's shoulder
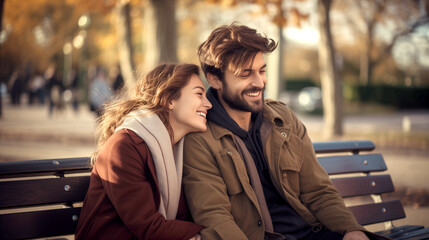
column 210, row 138
column 209, row 133
column 275, row 103
column 278, row 107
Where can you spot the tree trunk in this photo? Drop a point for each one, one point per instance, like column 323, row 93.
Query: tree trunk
column 363, row 67
column 160, row 33
column 330, row 79
column 367, row 63
column 123, row 26
column 1, row 25
column 365, row 60
column 275, row 84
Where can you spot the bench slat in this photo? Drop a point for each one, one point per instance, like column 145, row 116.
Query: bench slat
column 360, row 186
column 398, row 230
column 43, row 191
column 378, row 212
column 343, row 146
column 413, row 235
column 38, row 224
column 353, row 164
column 37, row 167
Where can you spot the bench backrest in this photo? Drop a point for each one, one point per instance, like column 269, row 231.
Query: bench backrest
column 352, row 173
column 60, row 185
column 40, row 198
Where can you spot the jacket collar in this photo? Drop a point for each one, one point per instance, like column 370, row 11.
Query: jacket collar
column 269, row 114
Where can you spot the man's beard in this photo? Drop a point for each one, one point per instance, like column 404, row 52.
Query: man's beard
column 237, row 103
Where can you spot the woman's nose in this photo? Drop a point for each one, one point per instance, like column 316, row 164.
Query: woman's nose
column 207, row 103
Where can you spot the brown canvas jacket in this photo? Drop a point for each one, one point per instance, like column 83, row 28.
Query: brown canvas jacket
column 218, row 189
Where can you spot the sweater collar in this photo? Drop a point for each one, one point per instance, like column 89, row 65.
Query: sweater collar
column 217, row 114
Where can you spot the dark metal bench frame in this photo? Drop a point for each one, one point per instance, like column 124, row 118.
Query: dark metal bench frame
column 61, row 185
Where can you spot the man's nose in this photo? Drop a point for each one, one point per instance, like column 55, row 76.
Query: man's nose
column 259, row 80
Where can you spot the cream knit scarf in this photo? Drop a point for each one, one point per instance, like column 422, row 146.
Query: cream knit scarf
column 168, row 162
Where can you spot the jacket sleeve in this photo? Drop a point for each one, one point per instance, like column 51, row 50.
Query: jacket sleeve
column 319, row 195
column 206, row 191
column 122, row 166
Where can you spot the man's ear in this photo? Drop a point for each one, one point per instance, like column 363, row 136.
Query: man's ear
column 214, row 81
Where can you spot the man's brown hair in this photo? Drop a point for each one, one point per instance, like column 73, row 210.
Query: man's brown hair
column 231, row 47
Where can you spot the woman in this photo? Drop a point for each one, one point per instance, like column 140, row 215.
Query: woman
column 135, row 188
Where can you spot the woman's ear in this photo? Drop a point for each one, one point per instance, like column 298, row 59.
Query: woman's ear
column 170, row 105
column 214, row 81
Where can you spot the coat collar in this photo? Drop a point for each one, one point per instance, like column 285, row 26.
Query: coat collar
column 269, row 114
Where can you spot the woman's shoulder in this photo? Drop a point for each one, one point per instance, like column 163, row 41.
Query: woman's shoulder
column 125, row 140
column 125, row 136
column 123, row 144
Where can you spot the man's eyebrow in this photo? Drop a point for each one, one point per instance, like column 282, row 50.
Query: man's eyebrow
column 250, row 70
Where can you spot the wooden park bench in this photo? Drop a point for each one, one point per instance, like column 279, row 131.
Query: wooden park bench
column 43, row 198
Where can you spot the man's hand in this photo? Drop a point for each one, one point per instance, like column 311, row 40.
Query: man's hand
column 196, row 237
column 355, row 235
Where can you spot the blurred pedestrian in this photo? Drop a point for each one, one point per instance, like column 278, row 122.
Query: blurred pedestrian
column 73, row 89
column 55, row 88
column 99, row 92
column 16, row 87
column 36, row 89
column 118, row 80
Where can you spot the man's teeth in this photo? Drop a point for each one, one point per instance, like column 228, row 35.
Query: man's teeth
column 253, row 94
column 201, row 114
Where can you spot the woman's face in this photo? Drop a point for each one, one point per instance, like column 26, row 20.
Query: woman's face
column 188, row 113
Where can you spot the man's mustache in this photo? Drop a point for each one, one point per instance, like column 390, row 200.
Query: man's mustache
column 253, row 90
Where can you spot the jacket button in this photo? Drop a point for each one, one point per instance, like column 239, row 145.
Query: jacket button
column 259, row 222
column 284, row 175
column 284, row 134
column 317, row 227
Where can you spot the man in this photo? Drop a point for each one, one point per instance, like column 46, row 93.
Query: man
column 253, row 174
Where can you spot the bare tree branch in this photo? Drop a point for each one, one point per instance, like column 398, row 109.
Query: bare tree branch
column 422, row 21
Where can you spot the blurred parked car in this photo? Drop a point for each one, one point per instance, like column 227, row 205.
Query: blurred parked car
column 309, row 99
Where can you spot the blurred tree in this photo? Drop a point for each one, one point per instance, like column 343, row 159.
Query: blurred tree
column 1, row 29
column 123, row 27
column 43, row 32
column 379, row 25
column 332, row 95
column 40, row 29
column 1, row 13
column 160, row 32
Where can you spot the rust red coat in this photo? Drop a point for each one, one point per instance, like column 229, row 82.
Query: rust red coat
column 123, row 197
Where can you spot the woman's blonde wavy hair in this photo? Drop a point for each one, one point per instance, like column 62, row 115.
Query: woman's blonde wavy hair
column 152, row 92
